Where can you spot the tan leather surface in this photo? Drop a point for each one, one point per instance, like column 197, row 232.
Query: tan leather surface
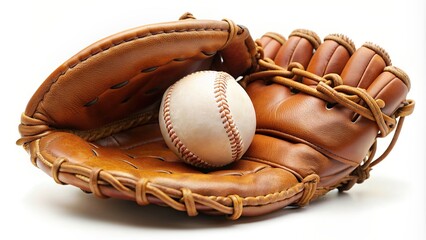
column 125, row 75
column 153, row 160
column 129, row 71
column 93, row 122
column 301, row 132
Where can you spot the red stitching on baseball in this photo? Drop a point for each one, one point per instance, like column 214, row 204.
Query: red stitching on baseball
column 185, row 153
column 220, row 87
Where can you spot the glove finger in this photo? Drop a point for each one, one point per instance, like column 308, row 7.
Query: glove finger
column 365, row 65
column 330, row 57
column 271, row 43
column 392, row 87
column 298, row 48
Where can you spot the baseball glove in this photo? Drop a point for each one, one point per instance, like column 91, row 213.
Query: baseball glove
column 93, row 123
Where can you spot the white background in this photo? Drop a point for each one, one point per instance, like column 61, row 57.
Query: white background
column 38, row 36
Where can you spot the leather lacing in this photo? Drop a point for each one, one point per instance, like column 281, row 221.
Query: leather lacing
column 330, row 88
column 102, row 182
column 142, row 190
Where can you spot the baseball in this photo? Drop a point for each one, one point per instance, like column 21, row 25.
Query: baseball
column 207, row 119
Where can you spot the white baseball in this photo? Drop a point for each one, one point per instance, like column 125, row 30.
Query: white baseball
column 207, row 119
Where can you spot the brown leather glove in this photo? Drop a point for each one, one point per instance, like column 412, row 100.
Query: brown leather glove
column 323, row 122
column 94, row 122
